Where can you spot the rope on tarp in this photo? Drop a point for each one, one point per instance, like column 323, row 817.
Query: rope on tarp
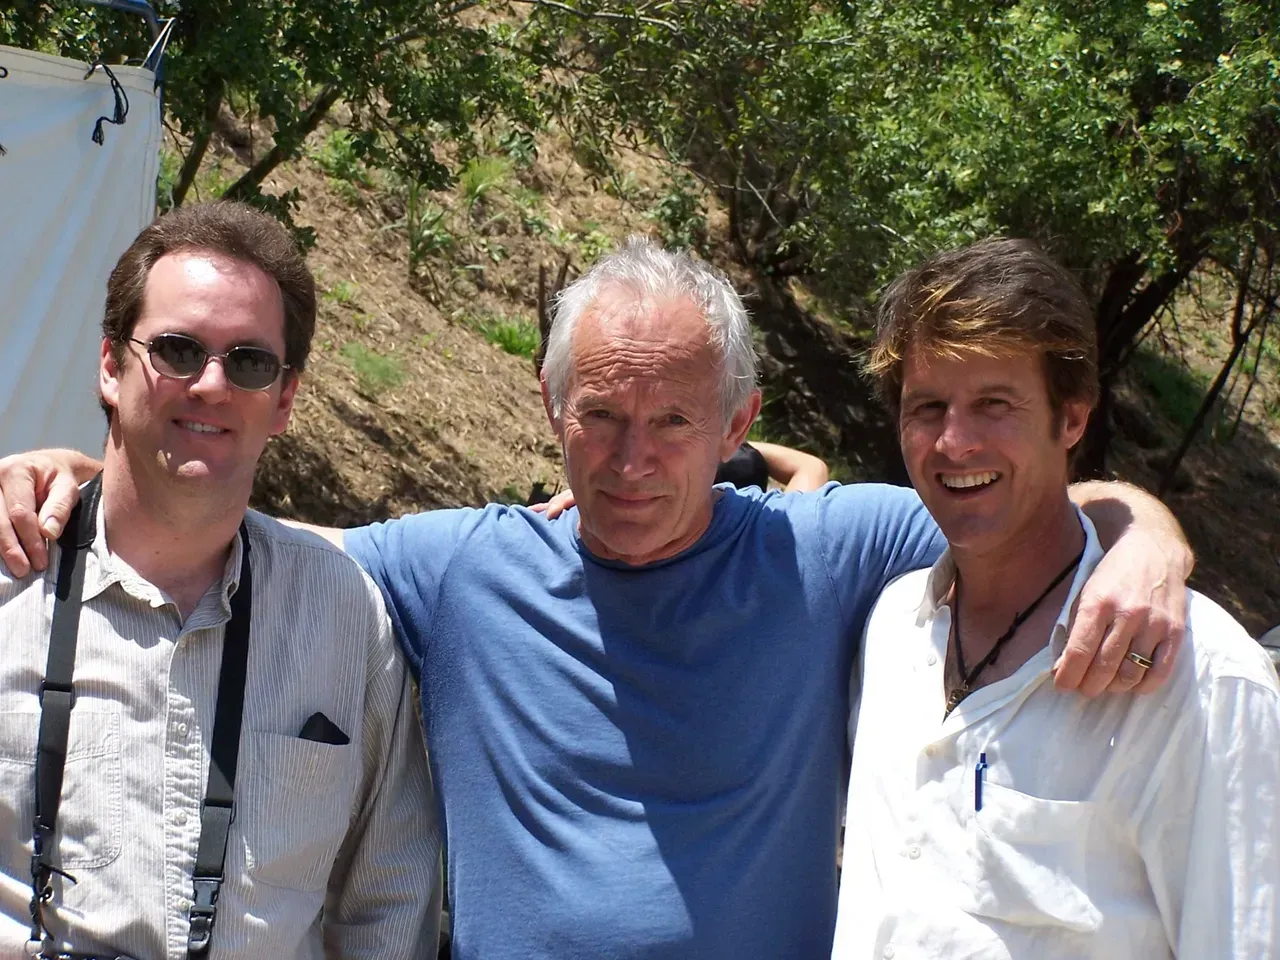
column 122, row 102
column 4, row 72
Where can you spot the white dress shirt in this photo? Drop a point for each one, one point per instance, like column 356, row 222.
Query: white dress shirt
column 334, row 851
column 1118, row 827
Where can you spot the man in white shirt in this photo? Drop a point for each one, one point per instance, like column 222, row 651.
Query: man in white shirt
column 989, row 814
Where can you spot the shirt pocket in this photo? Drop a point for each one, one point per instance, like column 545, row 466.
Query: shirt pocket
column 1032, row 855
column 294, row 807
column 91, row 814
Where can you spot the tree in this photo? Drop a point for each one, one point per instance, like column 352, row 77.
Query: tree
column 415, row 74
column 1133, row 138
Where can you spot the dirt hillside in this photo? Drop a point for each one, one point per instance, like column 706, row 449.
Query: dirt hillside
column 420, row 392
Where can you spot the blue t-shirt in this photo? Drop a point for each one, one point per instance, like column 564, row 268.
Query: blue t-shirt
column 643, row 762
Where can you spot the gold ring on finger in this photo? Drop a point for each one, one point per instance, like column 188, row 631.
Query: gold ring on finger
column 1146, row 663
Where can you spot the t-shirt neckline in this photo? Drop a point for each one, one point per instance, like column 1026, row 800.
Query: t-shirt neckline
column 728, row 509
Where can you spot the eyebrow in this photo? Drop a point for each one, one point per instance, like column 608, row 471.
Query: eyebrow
column 252, row 341
column 1003, row 389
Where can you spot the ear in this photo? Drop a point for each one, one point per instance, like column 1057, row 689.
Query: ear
column 740, row 426
column 109, row 375
column 1075, row 418
column 284, row 406
column 548, row 406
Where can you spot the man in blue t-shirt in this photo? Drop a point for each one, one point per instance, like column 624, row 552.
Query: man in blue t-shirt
column 636, row 713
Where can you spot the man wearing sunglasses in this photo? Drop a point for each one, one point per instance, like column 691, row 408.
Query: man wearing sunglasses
column 208, row 743
column 637, row 713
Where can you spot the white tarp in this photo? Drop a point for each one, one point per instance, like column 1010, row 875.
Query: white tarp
column 68, row 208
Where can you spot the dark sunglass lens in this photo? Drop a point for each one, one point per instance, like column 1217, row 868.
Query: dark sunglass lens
column 252, row 368
column 177, row 356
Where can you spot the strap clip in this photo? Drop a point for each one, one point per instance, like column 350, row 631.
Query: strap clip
column 203, row 913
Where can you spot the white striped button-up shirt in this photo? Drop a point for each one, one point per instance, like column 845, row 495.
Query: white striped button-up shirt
column 334, row 850
column 1117, row 828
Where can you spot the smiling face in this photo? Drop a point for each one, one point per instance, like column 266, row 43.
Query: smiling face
column 642, row 427
column 201, row 433
column 984, row 448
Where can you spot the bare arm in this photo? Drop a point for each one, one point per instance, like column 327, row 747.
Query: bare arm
column 1136, row 598
column 332, row 534
column 38, row 490
column 794, row 469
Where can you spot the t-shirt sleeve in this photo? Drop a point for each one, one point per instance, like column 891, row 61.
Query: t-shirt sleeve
column 407, row 558
column 872, row 533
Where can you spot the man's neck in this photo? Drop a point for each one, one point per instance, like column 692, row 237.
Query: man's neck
column 1001, row 583
column 177, row 543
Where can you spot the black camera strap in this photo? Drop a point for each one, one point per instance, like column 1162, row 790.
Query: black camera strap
column 57, row 698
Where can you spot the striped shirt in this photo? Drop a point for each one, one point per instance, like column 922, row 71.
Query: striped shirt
column 334, row 850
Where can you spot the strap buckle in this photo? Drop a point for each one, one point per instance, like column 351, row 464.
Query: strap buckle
column 203, row 913
column 47, row 686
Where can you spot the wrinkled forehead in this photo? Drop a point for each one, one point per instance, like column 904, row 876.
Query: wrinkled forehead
column 623, row 335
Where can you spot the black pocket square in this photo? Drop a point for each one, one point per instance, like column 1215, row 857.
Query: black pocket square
column 320, row 729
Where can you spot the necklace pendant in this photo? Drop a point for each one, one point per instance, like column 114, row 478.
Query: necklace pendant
column 957, row 695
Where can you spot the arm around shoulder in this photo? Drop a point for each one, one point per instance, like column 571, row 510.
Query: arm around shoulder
column 796, row 470
column 37, row 493
column 1135, row 601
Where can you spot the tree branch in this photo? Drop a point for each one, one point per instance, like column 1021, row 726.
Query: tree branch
column 600, row 14
column 283, row 150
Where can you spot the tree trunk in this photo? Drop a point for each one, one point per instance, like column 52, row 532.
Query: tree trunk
column 1239, row 338
column 286, row 150
column 199, row 144
column 1121, row 314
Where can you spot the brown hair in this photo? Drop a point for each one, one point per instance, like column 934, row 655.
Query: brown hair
column 993, row 297
column 234, row 230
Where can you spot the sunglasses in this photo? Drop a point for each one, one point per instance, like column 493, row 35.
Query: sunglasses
column 180, row 357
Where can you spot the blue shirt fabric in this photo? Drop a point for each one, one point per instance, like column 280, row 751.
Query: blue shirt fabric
column 643, row 762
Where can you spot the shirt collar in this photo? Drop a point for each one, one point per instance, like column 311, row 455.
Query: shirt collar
column 943, row 574
column 103, row 569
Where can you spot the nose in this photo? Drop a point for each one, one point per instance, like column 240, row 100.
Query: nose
column 633, row 455
column 211, row 384
column 959, row 436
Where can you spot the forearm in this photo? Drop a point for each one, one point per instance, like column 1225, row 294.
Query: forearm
column 794, row 469
column 332, row 534
column 1116, row 508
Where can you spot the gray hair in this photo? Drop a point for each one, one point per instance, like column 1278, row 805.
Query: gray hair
column 643, row 267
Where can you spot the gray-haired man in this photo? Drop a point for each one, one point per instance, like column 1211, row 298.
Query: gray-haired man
column 637, row 712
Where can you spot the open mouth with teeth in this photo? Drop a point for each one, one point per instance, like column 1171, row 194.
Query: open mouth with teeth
column 195, row 427
column 968, row 482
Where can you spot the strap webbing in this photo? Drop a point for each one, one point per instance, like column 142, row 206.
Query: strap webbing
column 219, row 799
column 56, row 693
column 57, row 698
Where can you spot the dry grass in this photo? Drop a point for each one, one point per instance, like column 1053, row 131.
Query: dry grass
column 461, row 421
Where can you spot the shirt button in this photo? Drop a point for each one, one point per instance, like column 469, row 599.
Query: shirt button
column 182, row 729
column 914, row 853
column 888, row 953
column 184, row 904
column 933, row 659
column 180, row 817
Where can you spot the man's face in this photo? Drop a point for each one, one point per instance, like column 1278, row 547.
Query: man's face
column 203, row 430
column 642, row 427
column 979, row 440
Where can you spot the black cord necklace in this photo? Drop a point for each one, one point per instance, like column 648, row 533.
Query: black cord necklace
column 969, row 676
